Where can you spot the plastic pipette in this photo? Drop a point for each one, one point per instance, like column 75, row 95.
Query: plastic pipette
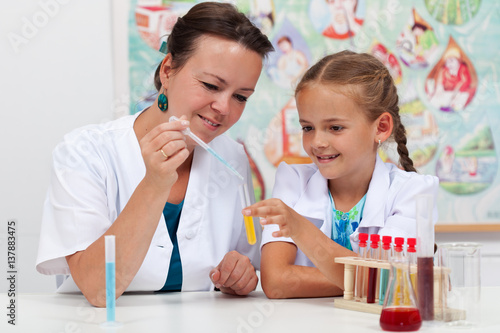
column 200, row 142
column 245, row 202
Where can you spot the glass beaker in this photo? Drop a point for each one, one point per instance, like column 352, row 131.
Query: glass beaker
column 459, row 283
column 400, row 312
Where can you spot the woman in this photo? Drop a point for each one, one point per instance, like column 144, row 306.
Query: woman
column 174, row 210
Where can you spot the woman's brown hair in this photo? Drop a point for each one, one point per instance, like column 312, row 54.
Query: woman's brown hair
column 213, row 19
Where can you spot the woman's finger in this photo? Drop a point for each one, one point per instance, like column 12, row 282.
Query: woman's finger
column 175, row 126
column 171, row 148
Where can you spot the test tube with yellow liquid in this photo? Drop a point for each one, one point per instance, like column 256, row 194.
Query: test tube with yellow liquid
column 245, row 202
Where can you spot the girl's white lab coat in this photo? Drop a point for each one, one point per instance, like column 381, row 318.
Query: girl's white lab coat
column 389, row 207
column 97, row 168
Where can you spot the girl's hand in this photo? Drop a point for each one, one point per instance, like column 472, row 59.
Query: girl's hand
column 164, row 150
column 274, row 211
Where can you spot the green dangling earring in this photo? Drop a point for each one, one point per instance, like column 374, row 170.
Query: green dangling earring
column 163, row 102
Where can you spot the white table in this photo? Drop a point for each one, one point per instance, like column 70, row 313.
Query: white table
column 208, row 312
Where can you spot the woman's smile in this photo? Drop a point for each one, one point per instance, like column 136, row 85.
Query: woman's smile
column 212, row 125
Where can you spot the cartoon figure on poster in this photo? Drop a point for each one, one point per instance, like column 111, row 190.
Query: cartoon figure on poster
column 452, row 83
column 286, row 145
column 422, row 130
column 470, row 166
column 379, row 51
column 155, row 19
column 291, row 58
column 262, row 15
column 337, row 19
column 417, row 43
column 456, row 12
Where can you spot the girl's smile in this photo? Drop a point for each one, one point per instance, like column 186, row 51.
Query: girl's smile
column 326, row 158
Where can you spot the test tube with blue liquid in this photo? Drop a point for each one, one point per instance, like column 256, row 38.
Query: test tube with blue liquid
column 384, row 273
column 109, row 244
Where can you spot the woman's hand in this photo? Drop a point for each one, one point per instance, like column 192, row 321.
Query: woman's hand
column 275, row 211
column 234, row 275
column 164, row 150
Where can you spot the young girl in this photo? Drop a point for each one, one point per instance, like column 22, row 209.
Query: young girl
column 348, row 106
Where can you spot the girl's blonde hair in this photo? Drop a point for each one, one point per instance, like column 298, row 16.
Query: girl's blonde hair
column 364, row 79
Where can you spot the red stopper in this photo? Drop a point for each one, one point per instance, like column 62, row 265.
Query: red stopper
column 386, row 242
column 374, row 239
column 411, row 242
column 362, row 239
column 399, row 241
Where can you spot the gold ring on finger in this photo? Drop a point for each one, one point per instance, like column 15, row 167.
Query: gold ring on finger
column 166, row 156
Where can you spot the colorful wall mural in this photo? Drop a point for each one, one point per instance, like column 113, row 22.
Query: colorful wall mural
column 444, row 56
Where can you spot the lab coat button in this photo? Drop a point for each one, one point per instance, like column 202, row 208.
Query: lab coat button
column 190, row 234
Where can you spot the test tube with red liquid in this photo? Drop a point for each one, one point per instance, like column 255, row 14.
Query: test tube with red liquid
column 373, row 272
column 425, row 256
column 360, row 287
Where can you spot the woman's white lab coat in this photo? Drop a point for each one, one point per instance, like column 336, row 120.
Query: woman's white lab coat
column 97, row 168
column 389, row 208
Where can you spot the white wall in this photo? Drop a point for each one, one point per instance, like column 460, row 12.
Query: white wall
column 58, row 78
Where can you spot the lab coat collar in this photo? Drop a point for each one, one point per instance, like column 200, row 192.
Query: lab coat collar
column 376, row 197
column 314, row 199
